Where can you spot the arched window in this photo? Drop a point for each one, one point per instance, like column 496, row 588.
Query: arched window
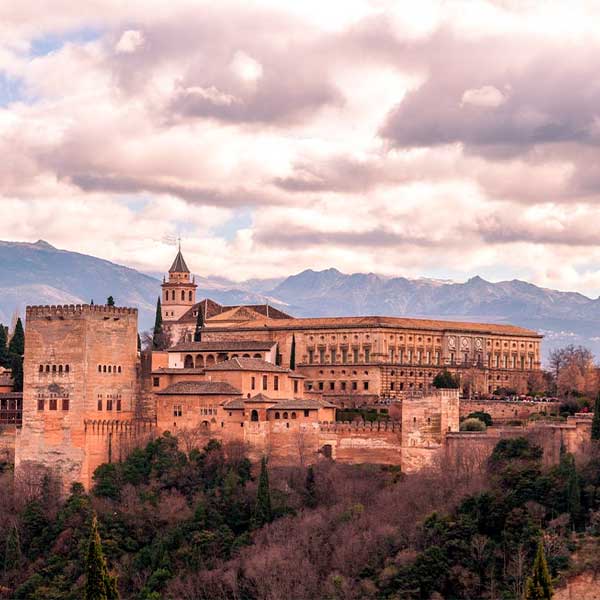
column 67, row 368
column 293, row 415
column 257, row 356
column 41, row 368
column 285, row 415
column 190, row 296
column 210, row 359
column 104, row 368
column 109, row 369
column 199, row 361
column 254, row 416
column 99, row 368
column 167, row 295
column 188, row 362
column 119, row 369
column 60, row 368
column 183, row 295
column 54, row 368
column 173, row 295
column 47, row 368
column 245, row 356
column 277, row 415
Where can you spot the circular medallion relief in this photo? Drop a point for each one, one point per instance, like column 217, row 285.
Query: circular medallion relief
column 452, row 341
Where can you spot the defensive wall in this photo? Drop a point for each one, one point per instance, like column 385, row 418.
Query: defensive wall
column 503, row 411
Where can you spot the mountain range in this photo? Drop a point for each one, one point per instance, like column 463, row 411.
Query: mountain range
column 41, row 274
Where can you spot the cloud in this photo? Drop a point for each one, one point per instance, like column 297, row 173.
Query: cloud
column 486, row 96
column 130, row 41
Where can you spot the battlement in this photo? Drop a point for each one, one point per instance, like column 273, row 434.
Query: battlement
column 77, row 310
column 366, row 426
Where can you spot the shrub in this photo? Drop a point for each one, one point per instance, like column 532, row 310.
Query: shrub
column 472, row 424
column 482, row 416
column 445, row 379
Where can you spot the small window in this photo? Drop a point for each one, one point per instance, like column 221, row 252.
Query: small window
column 65, row 404
column 285, row 415
column 40, row 404
column 276, row 383
column 177, row 410
column 104, row 368
column 60, row 369
column 118, row 404
column 320, row 385
column 264, row 382
column 109, row 404
column 41, row 368
column 47, row 368
column 53, row 404
column 254, row 415
column 109, row 369
column 54, row 368
column 253, row 383
column 306, row 413
column 99, row 403
column 365, row 385
column 119, row 368
column 277, row 415
column 99, row 368
column 67, row 368
column 332, row 385
column 156, row 381
column 295, row 386
column 293, row 415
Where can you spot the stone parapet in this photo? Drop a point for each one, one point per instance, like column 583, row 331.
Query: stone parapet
column 71, row 310
column 369, row 426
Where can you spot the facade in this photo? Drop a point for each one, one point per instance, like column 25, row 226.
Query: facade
column 80, row 388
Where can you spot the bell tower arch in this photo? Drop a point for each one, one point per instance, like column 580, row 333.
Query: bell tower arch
column 178, row 291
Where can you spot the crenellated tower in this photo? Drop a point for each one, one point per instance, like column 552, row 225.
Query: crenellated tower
column 179, row 291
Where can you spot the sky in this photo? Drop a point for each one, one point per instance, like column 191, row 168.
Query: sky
column 436, row 139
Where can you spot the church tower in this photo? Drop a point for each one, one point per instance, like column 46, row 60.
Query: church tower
column 179, row 291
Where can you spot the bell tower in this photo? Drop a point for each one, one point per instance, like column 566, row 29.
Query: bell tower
column 179, row 291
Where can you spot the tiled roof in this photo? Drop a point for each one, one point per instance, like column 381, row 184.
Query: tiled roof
column 237, row 404
column 246, row 364
column 212, row 309
column 386, row 322
column 179, row 265
column 300, row 404
column 199, row 388
column 11, row 395
column 238, row 346
column 168, row 371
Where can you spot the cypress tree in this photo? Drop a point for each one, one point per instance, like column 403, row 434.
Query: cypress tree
column 99, row 585
column 596, row 420
column 139, row 343
column 263, row 512
column 158, row 327
column 539, row 585
column 4, row 357
column 199, row 325
column 310, row 488
column 573, row 492
column 110, row 301
column 12, row 552
column 293, row 354
column 17, row 342
column 16, row 366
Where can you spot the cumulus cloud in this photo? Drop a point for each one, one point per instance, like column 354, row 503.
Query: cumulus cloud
column 447, row 139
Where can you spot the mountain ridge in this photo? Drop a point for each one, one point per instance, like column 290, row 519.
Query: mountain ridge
column 39, row 273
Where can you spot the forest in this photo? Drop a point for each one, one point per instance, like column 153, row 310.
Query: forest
column 209, row 524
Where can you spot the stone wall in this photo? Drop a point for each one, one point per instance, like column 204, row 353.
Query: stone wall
column 503, row 411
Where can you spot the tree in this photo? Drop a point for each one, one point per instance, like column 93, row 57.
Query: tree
column 472, row 424
column 16, row 366
column 12, row 552
column 17, row 342
column 157, row 332
column 263, row 512
column 310, row 488
column 139, row 343
column 110, row 301
column 4, row 355
column 293, row 354
column 99, row 585
column 596, row 420
column 539, row 585
column 445, row 379
column 482, row 416
column 199, row 325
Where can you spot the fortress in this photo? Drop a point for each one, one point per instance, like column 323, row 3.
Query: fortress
column 255, row 375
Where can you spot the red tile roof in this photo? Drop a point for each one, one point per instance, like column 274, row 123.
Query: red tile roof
column 200, row 388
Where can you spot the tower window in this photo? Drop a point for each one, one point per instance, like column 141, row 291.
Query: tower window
column 67, row 368
column 52, row 404
column 41, row 368
column 182, row 295
column 40, row 403
column 109, row 403
column 264, row 382
column 190, row 296
column 118, row 404
column 276, row 382
column 65, row 404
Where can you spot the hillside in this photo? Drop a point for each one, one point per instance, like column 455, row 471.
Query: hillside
column 41, row 274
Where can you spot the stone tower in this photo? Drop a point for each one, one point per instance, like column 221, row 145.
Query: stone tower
column 179, row 292
column 80, row 388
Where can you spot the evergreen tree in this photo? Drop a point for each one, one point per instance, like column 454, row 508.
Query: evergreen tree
column 445, row 379
column 293, row 354
column 99, row 585
column 573, row 490
column 596, row 420
column 110, row 301
column 12, row 552
column 310, row 488
column 539, row 585
column 139, row 343
column 4, row 356
column 157, row 332
column 16, row 365
column 17, row 342
column 263, row 512
column 199, row 325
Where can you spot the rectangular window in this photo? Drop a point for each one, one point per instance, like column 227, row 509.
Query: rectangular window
column 264, row 382
column 322, row 355
column 109, row 404
column 119, row 404
column 344, row 355
column 52, row 404
column 427, row 357
column 437, row 357
column 311, row 356
column 295, row 386
column 156, row 381
column 253, row 383
column 418, row 357
column 409, row 356
column 65, row 404
column 354, row 385
column 332, row 385
column 177, row 410
column 367, row 354
column 100, row 403
column 451, row 358
column 355, row 355
column 333, row 356
column 392, row 386
column 343, row 386
column 276, row 382
column 320, row 385
column 365, row 385
column 400, row 355
column 40, row 404
column 306, row 413
column 391, row 355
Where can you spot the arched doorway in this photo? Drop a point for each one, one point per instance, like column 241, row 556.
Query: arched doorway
column 210, row 360
column 254, row 415
column 199, row 361
column 188, row 362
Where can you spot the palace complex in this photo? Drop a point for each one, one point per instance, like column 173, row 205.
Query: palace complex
column 254, row 375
